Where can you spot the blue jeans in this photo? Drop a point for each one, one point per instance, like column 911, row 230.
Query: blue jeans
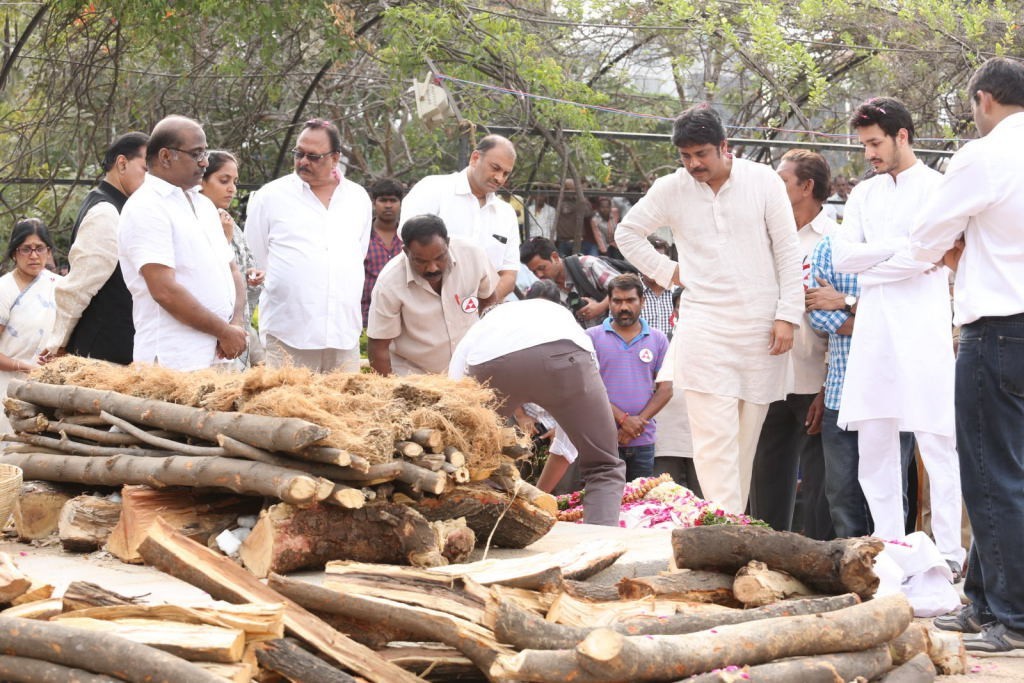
column 849, row 510
column 639, row 461
column 990, row 440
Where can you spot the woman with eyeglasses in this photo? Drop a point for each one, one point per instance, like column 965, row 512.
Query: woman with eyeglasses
column 220, row 184
column 27, row 305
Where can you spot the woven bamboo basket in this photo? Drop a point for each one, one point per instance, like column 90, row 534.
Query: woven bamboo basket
column 10, row 487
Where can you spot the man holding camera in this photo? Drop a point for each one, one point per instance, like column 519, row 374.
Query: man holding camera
column 583, row 281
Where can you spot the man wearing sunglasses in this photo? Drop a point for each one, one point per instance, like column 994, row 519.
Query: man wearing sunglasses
column 188, row 295
column 309, row 231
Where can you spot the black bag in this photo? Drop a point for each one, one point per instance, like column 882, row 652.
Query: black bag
column 583, row 285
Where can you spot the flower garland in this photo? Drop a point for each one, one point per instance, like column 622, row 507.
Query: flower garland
column 657, row 503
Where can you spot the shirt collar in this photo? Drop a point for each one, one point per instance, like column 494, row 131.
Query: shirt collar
column 297, row 181
column 645, row 329
column 820, row 222
column 462, row 187
column 166, row 189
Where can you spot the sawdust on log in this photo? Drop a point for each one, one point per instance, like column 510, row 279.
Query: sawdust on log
column 366, row 413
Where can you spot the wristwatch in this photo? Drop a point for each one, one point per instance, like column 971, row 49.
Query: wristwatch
column 850, row 301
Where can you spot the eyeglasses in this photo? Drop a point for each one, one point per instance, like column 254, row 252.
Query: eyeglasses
column 26, row 250
column 198, row 155
column 298, row 154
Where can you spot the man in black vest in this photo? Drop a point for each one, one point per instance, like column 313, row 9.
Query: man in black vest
column 94, row 307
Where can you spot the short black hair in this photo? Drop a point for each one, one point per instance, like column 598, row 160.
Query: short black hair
column 887, row 113
column 23, row 229
column 544, row 289
column 386, row 187
column 332, row 131
column 422, row 228
column 698, row 125
column 128, row 145
column 1000, row 77
column 808, row 165
column 216, row 161
column 538, row 246
column 626, row 281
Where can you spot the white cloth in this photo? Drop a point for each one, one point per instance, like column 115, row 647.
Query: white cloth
column 494, row 226
column 159, row 226
column 93, row 258
column 513, row 327
column 809, row 345
column 739, row 261
column 981, row 196
column 26, row 318
column 541, row 222
column 914, row 567
column 901, row 361
column 560, row 443
column 674, row 439
column 313, row 258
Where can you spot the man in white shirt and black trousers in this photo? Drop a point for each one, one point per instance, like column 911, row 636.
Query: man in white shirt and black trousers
column 975, row 225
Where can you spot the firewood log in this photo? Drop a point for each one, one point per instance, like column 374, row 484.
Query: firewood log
column 240, row 476
column 100, row 436
column 347, row 497
column 98, row 652
column 756, row 585
column 946, row 650
column 13, row 581
column 839, row 566
column 174, row 554
column 272, row 433
column 28, row 670
column 194, row 642
column 37, row 592
column 429, row 461
column 458, row 474
column 34, row 424
column 528, row 631
column 37, row 510
column 258, row 622
column 422, row 478
column 686, row 584
column 835, row 668
column 43, row 610
column 20, row 410
column 86, row 522
column 431, row 440
column 515, row 523
column 374, row 474
column 297, row 665
column 437, row 662
column 919, row 669
column 909, row 644
column 455, row 456
column 160, row 442
column 65, row 445
column 82, row 595
column 605, row 655
column 408, row 449
column 287, row 538
column 507, row 478
column 240, row 672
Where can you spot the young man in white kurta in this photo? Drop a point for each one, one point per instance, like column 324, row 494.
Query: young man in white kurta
column 900, row 371
column 739, row 261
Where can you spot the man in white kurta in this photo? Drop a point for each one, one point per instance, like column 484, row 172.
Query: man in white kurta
column 900, row 371
column 470, row 208
column 739, row 261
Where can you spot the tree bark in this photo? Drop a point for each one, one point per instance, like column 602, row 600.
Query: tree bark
column 159, row 442
column 13, row 582
column 297, row 665
column 528, row 631
column 287, row 538
column 84, row 595
column 86, row 522
column 839, row 566
column 174, row 554
column 686, row 584
column 240, row 476
column 519, row 523
column 605, row 656
column 909, row 644
column 918, row 669
column 37, row 511
column 273, row 433
column 194, row 642
column 946, row 650
column 26, row 670
column 431, row 440
column 756, row 585
column 839, row 668
column 97, row 652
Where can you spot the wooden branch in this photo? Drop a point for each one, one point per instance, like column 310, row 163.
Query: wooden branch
column 528, row 631
column 37, row 511
column 13, row 582
column 946, row 650
column 421, row 478
column 35, row 424
column 86, row 522
column 507, row 479
column 83, row 595
column 408, row 449
column 685, row 584
column 455, row 456
column 841, row 667
column 174, row 554
column 909, row 644
column 98, row 652
column 285, row 657
column 431, row 440
column 99, row 436
column 839, row 566
column 20, row 410
column 159, row 442
column 756, row 585
column 429, row 461
column 28, row 670
column 194, row 642
column 272, row 433
column 331, row 456
column 347, row 497
column 240, row 476
column 374, row 474
column 605, row 655
column 918, row 670
column 458, row 474
column 259, row 622
column 65, row 445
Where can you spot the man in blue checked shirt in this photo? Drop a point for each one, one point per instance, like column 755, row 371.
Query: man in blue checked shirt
column 832, row 308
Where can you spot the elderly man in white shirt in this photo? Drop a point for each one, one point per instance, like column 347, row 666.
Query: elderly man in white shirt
column 739, row 261
column 309, row 231
column 900, row 371
column 467, row 203
column 188, row 295
column 978, row 211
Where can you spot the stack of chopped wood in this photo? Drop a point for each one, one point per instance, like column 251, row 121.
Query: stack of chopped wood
column 408, row 471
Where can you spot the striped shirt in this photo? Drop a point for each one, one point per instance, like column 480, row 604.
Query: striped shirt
column 830, row 321
column 377, row 256
column 658, row 309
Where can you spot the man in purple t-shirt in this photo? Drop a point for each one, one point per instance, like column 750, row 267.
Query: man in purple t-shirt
column 630, row 354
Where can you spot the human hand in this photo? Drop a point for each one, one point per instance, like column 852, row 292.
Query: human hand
column 781, row 339
column 232, row 341
column 824, row 297
column 815, row 413
column 951, row 259
column 254, row 277
column 526, row 423
column 591, row 310
column 48, row 355
column 632, row 426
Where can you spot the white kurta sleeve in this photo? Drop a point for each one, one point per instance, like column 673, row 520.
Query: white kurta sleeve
column 257, row 230
column 786, row 252
column 850, row 252
column 647, row 215
column 964, row 191
column 421, row 199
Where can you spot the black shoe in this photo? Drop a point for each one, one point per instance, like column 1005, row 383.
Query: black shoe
column 995, row 639
column 963, row 620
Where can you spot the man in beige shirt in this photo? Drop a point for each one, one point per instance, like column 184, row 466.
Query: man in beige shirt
column 426, row 299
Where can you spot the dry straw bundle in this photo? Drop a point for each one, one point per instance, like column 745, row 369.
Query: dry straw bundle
column 366, row 413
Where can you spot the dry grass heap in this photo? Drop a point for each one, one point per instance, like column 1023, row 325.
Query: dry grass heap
column 366, row 413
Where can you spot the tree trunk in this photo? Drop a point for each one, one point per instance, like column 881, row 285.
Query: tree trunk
column 240, row 476
column 528, row 631
column 918, row 670
column 839, row 566
column 97, row 652
column 756, row 585
column 946, row 650
column 909, row 644
column 287, row 538
column 176, row 555
column 686, row 584
column 840, row 668
column 26, row 670
column 519, row 523
column 297, row 665
column 86, row 522
column 609, row 656
column 37, row 512
column 263, row 431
